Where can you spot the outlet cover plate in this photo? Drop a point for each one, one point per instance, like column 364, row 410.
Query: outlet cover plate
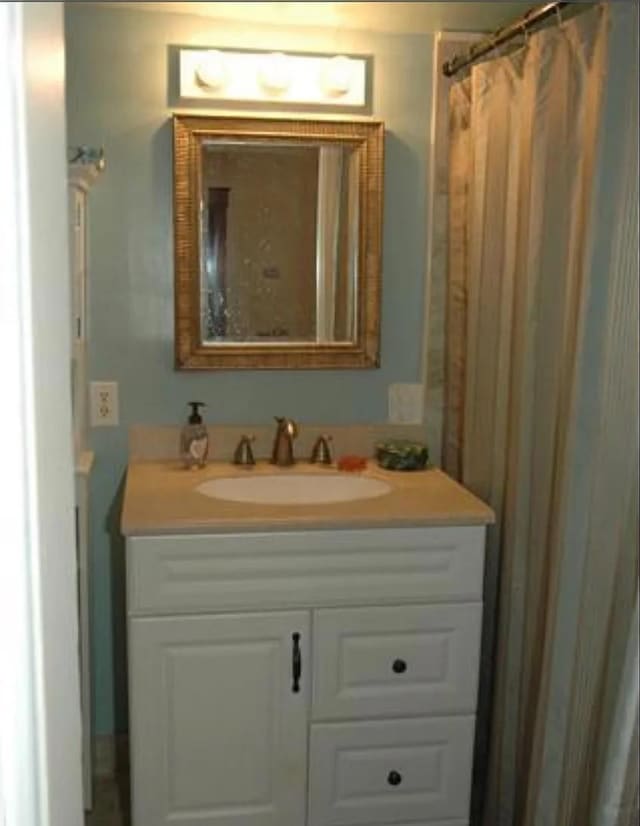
column 406, row 402
column 104, row 404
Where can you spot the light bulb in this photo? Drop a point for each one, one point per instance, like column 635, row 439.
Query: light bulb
column 275, row 73
column 337, row 76
column 212, row 70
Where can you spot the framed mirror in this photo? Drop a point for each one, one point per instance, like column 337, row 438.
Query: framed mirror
column 277, row 242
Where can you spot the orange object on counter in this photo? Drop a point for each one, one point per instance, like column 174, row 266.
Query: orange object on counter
column 352, row 463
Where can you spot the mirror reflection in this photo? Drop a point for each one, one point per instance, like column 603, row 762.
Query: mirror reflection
column 279, row 242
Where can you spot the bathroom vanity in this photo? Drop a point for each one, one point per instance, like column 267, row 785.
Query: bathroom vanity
column 302, row 664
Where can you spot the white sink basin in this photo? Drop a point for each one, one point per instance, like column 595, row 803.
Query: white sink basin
column 294, row 488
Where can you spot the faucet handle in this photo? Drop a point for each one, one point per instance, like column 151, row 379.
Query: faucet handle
column 244, row 452
column 321, row 453
column 287, row 425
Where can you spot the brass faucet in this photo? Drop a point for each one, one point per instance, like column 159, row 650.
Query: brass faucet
column 282, row 453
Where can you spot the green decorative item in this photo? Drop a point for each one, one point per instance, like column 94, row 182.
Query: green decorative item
column 402, row 454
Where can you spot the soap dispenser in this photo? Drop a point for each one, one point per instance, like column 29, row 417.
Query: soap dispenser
column 194, row 439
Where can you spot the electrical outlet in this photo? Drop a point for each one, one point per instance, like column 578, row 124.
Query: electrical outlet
column 405, row 403
column 104, row 404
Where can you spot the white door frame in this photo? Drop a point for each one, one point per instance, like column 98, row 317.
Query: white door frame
column 40, row 752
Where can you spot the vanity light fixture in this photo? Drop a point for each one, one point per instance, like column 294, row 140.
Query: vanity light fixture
column 225, row 75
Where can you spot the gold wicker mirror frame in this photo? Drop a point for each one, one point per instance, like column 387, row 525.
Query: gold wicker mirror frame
column 191, row 352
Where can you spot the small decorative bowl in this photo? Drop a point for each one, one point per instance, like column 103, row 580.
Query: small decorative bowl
column 402, row 454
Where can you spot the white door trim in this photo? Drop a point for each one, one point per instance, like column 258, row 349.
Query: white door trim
column 40, row 769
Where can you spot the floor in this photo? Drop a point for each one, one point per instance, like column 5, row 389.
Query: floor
column 110, row 804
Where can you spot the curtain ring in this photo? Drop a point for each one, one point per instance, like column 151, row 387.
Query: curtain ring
column 525, row 33
column 558, row 14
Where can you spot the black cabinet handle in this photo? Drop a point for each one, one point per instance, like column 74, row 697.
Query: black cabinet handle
column 399, row 666
column 296, row 663
column 394, row 778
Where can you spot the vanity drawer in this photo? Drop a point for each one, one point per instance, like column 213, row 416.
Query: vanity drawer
column 391, row 771
column 308, row 569
column 400, row 661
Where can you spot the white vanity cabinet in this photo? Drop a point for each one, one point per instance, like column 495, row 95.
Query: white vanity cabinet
column 325, row 678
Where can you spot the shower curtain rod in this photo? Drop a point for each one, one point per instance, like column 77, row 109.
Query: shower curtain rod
column 531, row 18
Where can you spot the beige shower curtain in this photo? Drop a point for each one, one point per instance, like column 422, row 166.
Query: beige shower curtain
column 541, row 421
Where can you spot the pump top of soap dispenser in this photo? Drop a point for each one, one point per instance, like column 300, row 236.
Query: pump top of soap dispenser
column 195, row 417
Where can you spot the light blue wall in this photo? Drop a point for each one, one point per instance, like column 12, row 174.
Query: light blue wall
column 117, row 73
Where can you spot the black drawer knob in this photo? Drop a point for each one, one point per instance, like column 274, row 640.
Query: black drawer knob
column 399, row 666
column 394, row 778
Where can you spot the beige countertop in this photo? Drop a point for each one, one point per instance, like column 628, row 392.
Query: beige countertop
column 160, row 498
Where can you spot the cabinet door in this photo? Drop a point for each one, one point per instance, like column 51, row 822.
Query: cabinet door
column 218, row 729
column 78, row 264
column 78, row 259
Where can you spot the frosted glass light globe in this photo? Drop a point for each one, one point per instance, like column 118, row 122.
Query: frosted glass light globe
column 275, row 73
column 337, row 76
column 212, row 70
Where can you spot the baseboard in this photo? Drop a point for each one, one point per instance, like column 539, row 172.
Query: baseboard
column 111, row 755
